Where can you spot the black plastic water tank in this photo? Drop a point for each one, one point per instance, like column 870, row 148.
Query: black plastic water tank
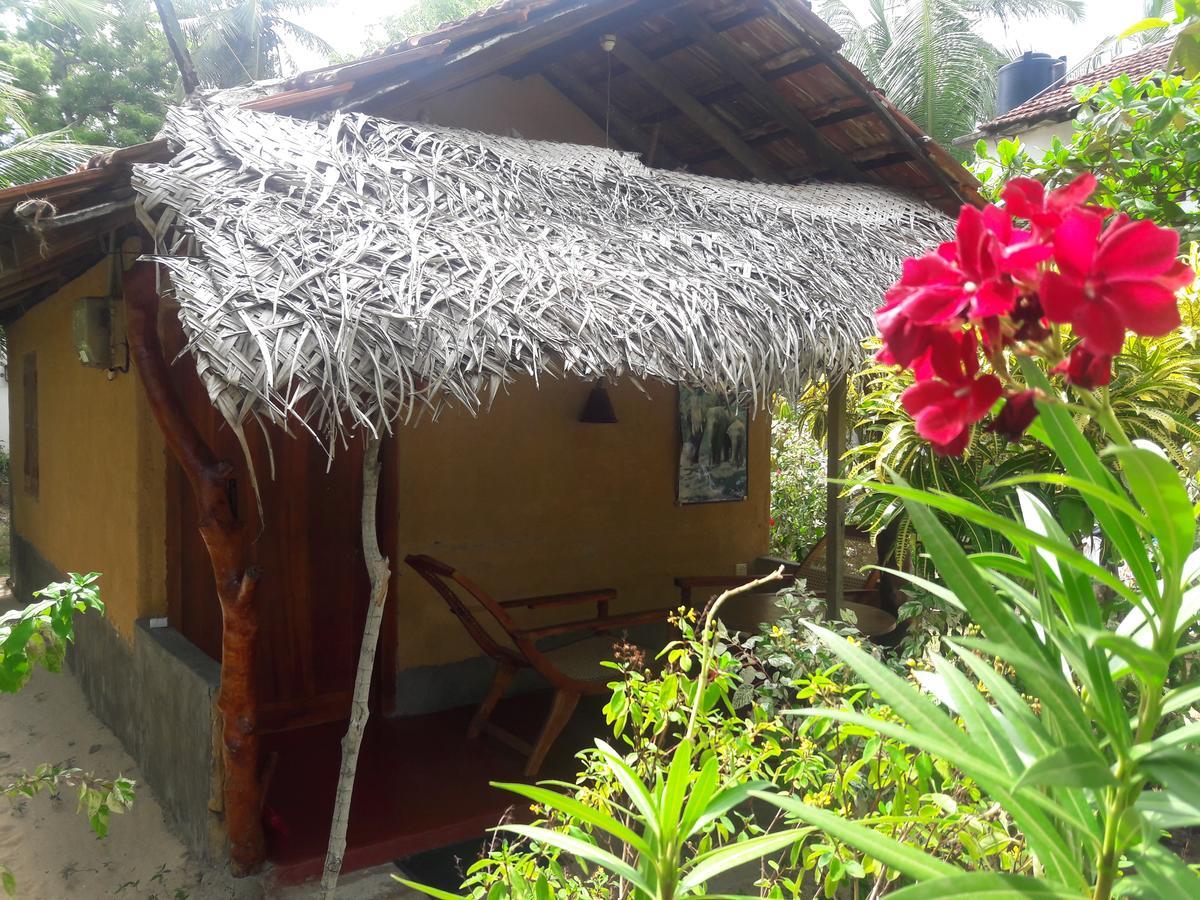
column 1027, row 77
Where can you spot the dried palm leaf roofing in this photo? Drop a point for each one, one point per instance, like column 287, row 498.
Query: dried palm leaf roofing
column 345, row 274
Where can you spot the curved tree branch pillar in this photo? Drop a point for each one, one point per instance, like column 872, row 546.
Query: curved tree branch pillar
column 236, row 581
column 377, row 568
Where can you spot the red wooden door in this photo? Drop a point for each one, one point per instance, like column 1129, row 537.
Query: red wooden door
column 314, row 587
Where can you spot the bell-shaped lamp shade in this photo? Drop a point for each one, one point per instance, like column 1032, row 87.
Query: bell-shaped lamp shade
column 598, row 410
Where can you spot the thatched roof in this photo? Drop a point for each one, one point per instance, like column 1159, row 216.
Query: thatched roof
column 346, row 274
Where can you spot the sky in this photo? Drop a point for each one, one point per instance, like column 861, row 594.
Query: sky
column 344, row 23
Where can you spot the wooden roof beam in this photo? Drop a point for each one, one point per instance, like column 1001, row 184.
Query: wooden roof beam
column 628, row 133
column 730, row 58
column 458, row 67
column 858, row 84
column 554, row 54
column 724, row 90
column 672, row 89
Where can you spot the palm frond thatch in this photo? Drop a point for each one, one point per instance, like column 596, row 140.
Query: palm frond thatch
column 343, row 274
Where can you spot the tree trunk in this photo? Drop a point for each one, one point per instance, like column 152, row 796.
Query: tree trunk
column 377, row 568
column 235, row 580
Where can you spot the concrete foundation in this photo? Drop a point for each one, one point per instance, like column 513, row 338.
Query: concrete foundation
column 159, row 698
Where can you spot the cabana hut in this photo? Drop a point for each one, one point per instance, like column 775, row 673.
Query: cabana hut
column 447, row 253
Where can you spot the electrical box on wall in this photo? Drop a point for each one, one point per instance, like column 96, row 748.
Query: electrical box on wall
column 93, row 331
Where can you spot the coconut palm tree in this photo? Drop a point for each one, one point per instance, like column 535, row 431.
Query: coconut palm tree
column 237, row 41
column 930, row 57
column 25, row 156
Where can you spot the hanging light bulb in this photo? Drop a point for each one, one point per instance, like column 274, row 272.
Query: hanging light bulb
column 598, row 410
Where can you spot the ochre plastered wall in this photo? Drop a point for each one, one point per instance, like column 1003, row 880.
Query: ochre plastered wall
column 100, row 501
column 527, row 500
column 529, row 107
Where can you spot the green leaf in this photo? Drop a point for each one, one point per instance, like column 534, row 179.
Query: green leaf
column 1166, row 812
column 1148, row 24
column 905, row 859
column 1143, row 662
column 702, row 792
column 989, row 885
column 632, row 785
column 428, row 891
column 1156, row 485
column 1161, row 875
column 1177, row 770
column 1183, row 697
column 1075, row 765
column 579, row 811
column 715, row 862
column 679, row 776
column 1081, row 461
column 726, row 800
column 582, row 850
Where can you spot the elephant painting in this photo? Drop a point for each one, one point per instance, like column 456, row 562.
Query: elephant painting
column 712, row 455
column 735, row 439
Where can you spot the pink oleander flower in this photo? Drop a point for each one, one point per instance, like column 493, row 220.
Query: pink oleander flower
column 1020, row 409
column 1086, row 369
column 1123, row 276
column 976, row 277
column 952, row 396
column 1027, row 198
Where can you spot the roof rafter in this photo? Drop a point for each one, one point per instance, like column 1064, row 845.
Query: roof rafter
column 628, row 132
column 670, row 87
column 730, row 58
column 858, row 84
column 478, row 61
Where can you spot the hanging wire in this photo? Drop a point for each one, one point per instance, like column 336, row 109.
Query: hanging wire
column 608, row 101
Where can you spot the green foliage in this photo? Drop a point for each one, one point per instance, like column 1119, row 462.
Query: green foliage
column 797, row 486
column 1141, row 141
column 740, row 739
column 98, row 798
column 237, row 41
column 39, row 633
column 1085, row 752
column 103, row 80
column 930, row 56
column 1186, row 52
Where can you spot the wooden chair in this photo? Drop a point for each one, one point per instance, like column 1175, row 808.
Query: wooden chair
column 860, row 592
column 573, row 670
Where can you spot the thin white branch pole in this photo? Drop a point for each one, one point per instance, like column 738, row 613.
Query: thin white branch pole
column 380, row 573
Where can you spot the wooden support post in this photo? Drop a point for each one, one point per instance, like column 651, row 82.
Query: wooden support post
column 835, row 506
column 377, row 568
column 236, row 581
column 713, row 125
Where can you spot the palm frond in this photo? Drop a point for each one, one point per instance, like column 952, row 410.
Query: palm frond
column 42, row 156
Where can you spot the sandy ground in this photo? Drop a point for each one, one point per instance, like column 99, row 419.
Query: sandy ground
column 54, row 854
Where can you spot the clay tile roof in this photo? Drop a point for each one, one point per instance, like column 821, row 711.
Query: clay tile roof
column 1057, row 103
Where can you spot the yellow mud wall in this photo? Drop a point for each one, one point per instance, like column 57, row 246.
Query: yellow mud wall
column 527, row 500
column 100, row 501
column 529, row 107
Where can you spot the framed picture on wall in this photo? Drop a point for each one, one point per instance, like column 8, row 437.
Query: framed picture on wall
column 712, row 448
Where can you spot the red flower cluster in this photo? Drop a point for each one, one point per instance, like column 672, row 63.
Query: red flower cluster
column 998, row 284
